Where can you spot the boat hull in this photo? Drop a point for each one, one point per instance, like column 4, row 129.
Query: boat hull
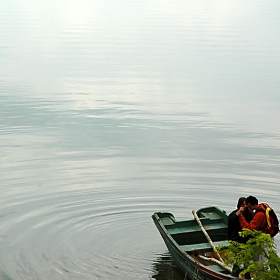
column 185, row 242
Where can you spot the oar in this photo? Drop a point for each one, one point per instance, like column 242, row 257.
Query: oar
column 217, row 262
column 209, row 239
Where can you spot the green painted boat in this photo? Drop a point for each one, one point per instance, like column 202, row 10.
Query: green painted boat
column 186, row 242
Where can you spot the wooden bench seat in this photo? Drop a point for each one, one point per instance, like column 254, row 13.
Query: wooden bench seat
column 201, row 246
column 217, row 268
column 173, row 229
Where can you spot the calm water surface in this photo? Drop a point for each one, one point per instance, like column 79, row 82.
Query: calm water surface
column 111, row 111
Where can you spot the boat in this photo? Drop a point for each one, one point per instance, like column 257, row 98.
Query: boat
column 192, row 243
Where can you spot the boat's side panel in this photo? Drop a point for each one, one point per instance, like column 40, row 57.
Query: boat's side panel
column 191, row 268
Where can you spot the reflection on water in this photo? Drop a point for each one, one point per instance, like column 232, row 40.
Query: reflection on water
column 166, row 269
column 111, row 112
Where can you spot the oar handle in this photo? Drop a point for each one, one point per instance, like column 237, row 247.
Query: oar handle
column 217, row 262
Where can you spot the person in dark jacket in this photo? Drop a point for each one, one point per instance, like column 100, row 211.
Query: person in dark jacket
column 234, row 228
column 234, row 225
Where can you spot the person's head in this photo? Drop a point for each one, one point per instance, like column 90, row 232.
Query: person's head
column 252, row 202
column 241, row 202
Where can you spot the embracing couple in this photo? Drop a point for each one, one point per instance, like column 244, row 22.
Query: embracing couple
column 251, row 215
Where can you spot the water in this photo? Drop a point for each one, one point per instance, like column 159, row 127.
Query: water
column 110, row 112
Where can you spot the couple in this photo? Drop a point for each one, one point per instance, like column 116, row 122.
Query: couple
column 249, row 214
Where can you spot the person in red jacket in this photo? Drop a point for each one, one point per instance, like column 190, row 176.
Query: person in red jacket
column 259, row 220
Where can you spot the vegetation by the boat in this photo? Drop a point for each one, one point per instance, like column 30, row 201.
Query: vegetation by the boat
column 246, row 256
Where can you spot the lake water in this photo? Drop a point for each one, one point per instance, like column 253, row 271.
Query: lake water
column 113, row 110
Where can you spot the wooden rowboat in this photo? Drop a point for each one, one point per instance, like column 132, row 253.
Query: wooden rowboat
column 188, row 244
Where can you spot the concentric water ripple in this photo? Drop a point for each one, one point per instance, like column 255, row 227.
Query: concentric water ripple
column 79, row 235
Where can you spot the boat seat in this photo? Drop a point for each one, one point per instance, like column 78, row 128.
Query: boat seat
column 201, row 246
column 175, row 229
column 217, row 268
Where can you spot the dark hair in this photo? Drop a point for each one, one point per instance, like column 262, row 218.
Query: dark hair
column 252, row 200
column 240, row 201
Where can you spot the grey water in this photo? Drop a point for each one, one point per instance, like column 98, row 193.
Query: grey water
column 113, row 110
